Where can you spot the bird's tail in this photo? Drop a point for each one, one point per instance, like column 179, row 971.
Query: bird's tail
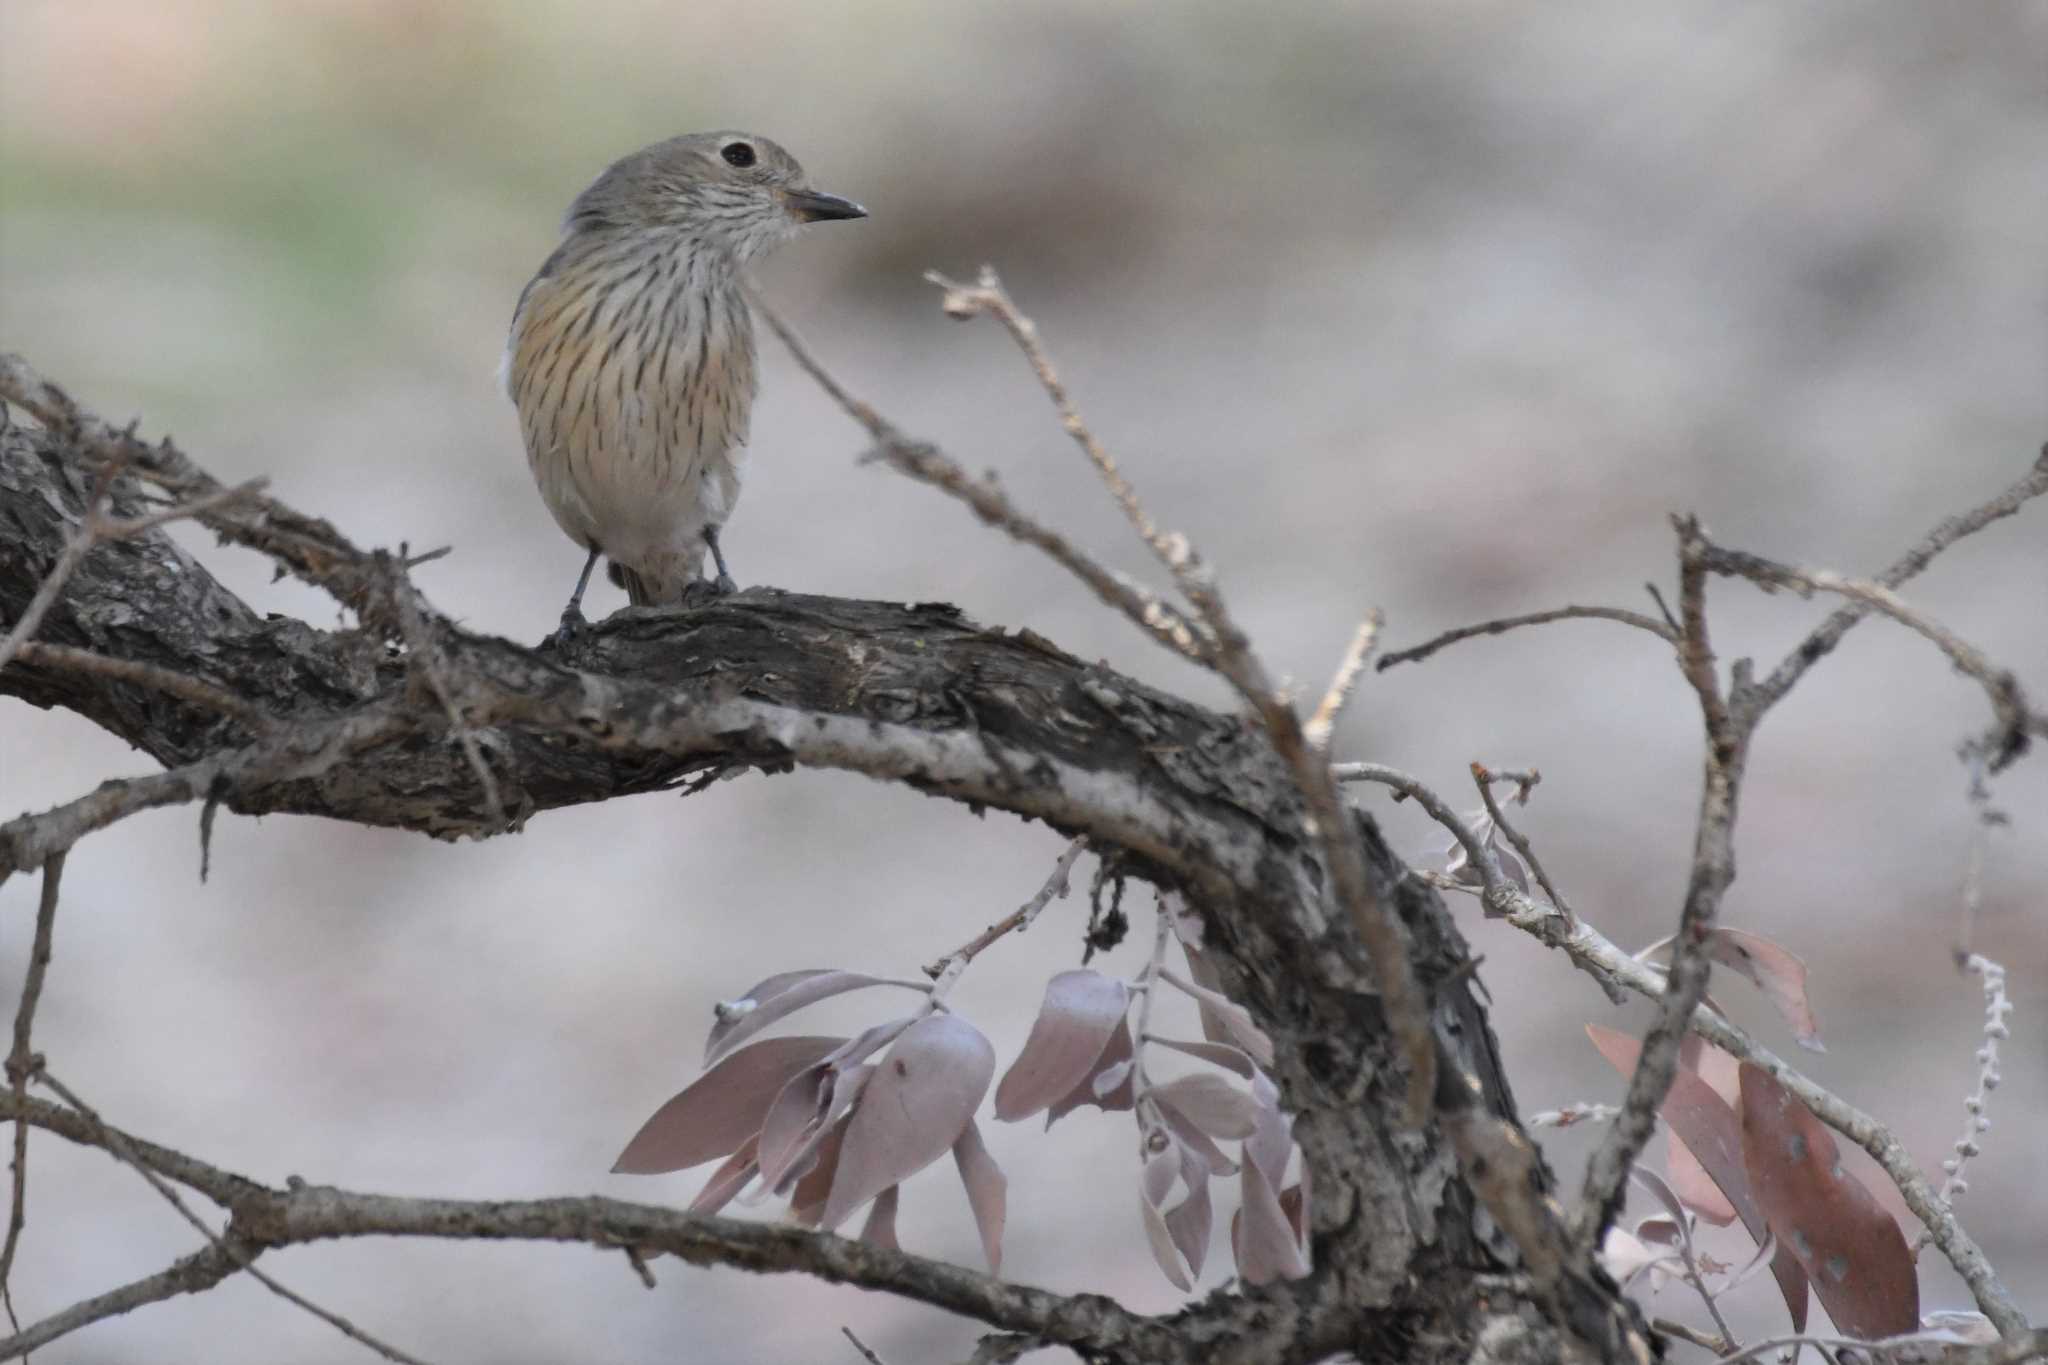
column 637, row 590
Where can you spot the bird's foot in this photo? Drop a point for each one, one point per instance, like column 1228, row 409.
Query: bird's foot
column 702, row 592
column 565, row 634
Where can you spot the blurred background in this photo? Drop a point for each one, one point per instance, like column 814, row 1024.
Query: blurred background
column 1435, row 307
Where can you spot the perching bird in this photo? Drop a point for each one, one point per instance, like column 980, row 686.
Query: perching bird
column 631, row 358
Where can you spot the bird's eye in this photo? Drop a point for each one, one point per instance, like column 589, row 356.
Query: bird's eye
column 739, row 154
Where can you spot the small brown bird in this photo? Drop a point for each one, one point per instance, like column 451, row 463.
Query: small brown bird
column 631, row 359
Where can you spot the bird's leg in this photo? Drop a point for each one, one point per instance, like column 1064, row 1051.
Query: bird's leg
column 572, row 615
column 725, row 583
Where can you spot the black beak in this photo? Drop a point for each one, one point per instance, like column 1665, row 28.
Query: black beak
column 814, row 206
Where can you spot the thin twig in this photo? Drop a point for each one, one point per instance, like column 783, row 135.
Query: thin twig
column 97, row 530
column 193, row 1274
column 423, row 653
column 1485, row 778
column 1824, row 637
column 1713, row 869
column 183, row 686
column 2008, row 703
column 1320, row 725
column 1415, row 653
column 1022, row 916
column 22, row 1063
column 114, row 1142
column 862, row 1347
column 928, row 465
column 1215, row 640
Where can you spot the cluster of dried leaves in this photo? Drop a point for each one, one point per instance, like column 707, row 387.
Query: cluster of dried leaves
column 1741, row 1146
column 834, row 1124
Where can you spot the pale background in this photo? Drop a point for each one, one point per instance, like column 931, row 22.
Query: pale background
column 1440, row 307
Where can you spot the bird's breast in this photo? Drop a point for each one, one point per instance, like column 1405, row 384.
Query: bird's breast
column 633, row 371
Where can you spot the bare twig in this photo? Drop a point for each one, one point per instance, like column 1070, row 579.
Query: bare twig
column 423, row 653
column 172, row 684
column 97, row 529
column 928, row 465
column 1416, row 653
column 862, row 1347
column 21, row 1064
column 114, row 1142
column 1320, row 725
column 2008, row 703
column 266, row 1217
column 1822, row 641
column 1583, row 1111
column 1217, row 641
column 192, row 1274
column 307, row 546
column 302, row 751
column 1485, row 778
column 1022, row 916
column 1713, row 868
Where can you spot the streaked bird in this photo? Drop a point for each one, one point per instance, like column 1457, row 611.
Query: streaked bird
column 631, row 359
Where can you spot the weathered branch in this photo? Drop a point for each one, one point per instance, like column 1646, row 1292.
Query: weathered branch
column 352, row 728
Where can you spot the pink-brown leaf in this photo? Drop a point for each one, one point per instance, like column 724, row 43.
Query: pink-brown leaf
column 1117, row 1053
column 777, row 998
column 987, row 1192
column 1777, row 973
column 1232, row 1018
column 880, row 1228
column 1714, row 1134
column 1080, row 1011
column 1211, row 1103
column 719, row 1110
column 1186, row 1133
column 1267, row 1249
column 924, row 1093
column 1694, row 1187
column 728, row 1180
column 1219, row 1054
column 1190, row 1221
column 1847, row 1243
column 1161, row 1172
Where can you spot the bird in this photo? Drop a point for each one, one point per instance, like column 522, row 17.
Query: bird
column 631, row 357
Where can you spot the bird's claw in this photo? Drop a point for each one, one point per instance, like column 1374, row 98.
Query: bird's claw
column 572, row 625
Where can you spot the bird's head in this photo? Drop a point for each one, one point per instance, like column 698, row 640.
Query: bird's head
column 737, row 191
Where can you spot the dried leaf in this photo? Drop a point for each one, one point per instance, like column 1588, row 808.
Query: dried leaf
column 1234, row 1019
column 1211, row 1103
column 1695, row 1188
column 1186, row 1133
column 1713, row 1132
column 1272, row 1140
column 777, row 998
column 1114, row 1066
column 1221, row 1054
column 880, row 1228
column 809, row 1182
column 920, row 1100
column 1080, row 1012
column 1625, row 1256
column 1777, row 973
column 1851, row 1248
column 1162, row 1172
column 987, row 1192
column 719, row 1110
column 802, row 1117
column 1204, row 974
column 728, row 1180
column 1190, row 1221
column 1267, row 1249
column 1460, row 867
